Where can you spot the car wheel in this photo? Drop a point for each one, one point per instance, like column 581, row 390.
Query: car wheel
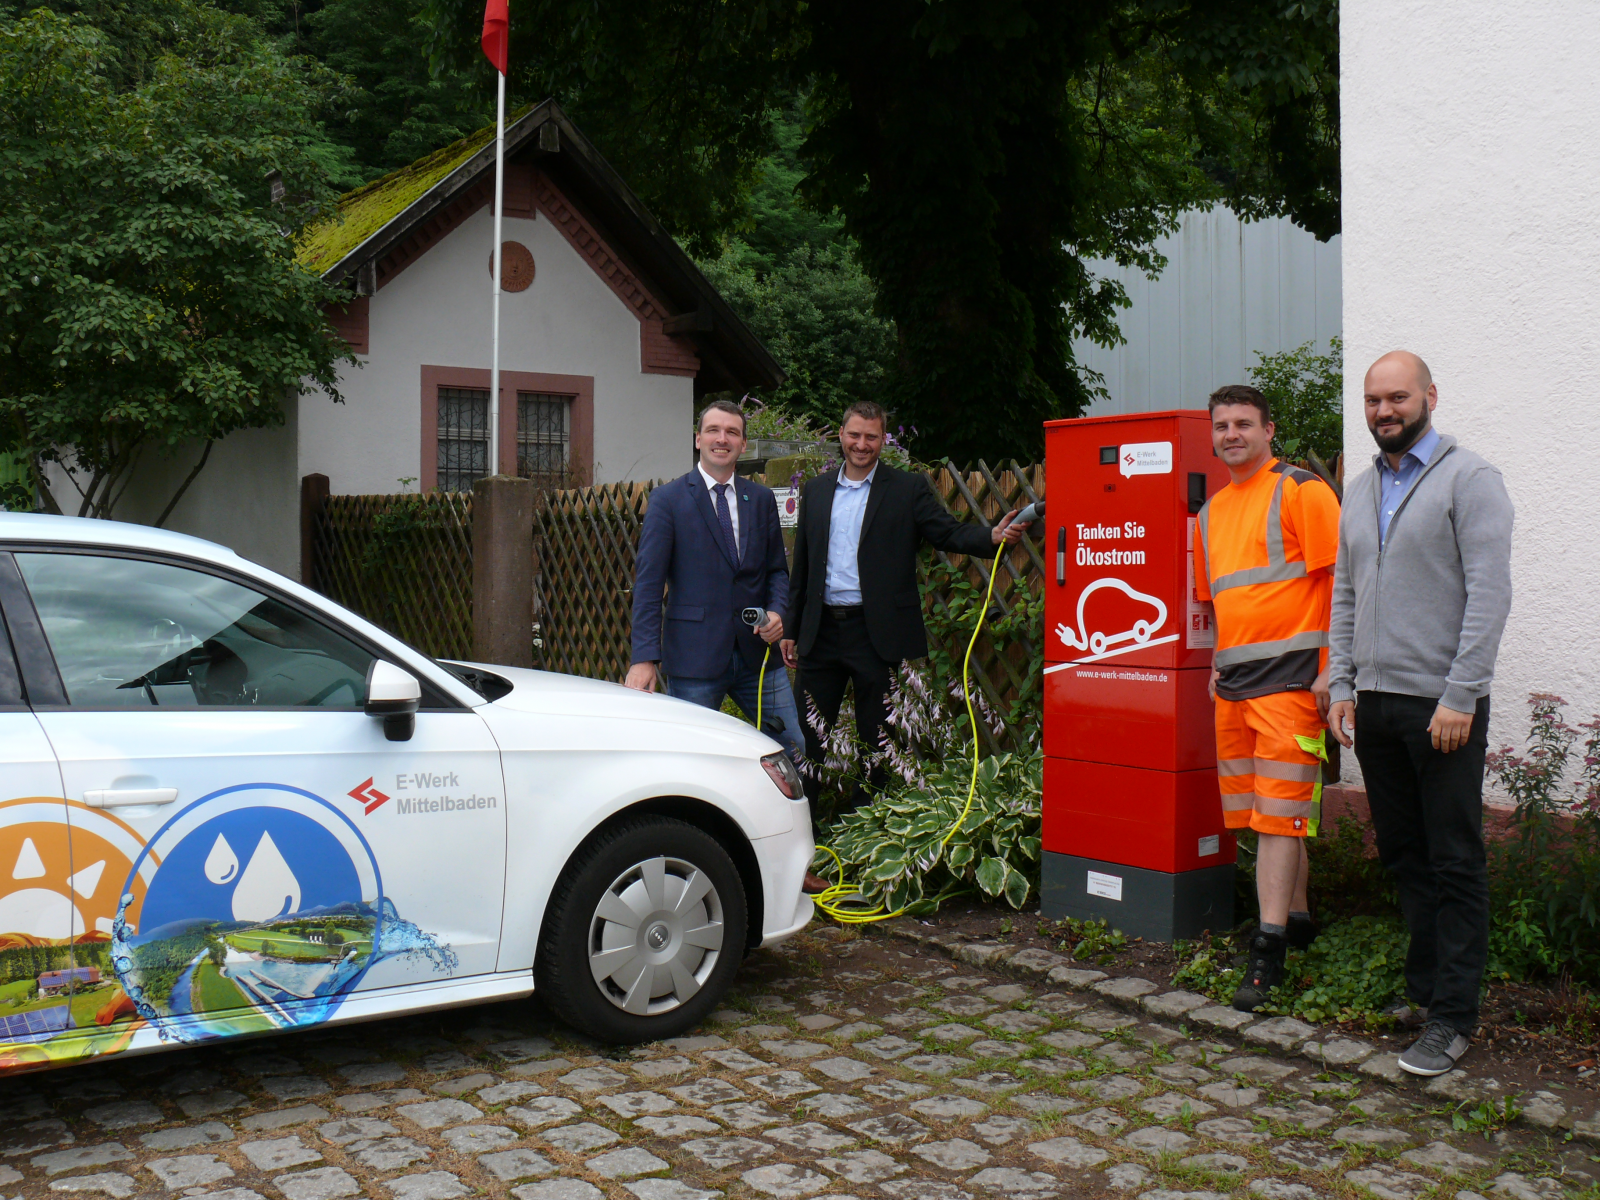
column 644, row 931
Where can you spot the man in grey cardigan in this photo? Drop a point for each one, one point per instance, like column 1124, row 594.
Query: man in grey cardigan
column 1420, row 597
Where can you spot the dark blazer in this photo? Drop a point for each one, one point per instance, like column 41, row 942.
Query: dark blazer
column 902, row 512
column 682, row 549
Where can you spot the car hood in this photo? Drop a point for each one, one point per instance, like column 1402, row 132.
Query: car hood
column 552, row 694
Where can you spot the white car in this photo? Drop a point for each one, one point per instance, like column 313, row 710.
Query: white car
column 230, row 807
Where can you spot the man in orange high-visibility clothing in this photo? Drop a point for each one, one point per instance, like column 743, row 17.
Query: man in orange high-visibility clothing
column 1264, row 552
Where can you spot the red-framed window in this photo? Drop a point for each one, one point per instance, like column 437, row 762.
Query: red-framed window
column 546, row 427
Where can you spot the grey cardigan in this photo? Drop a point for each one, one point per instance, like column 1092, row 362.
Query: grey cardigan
column 1423, row 615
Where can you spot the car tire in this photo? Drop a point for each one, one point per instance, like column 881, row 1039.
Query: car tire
column 643, row 932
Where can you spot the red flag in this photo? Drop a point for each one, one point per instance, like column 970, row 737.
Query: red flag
column 496, row 32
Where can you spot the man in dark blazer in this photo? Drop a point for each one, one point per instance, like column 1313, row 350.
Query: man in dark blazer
column 711, row 540
column 854, row 609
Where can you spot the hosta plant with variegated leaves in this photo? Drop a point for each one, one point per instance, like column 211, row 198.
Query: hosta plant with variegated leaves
column 892, row 848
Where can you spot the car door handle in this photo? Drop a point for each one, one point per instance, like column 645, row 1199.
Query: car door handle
column 125, row 797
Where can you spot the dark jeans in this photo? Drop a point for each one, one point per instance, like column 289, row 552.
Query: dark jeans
column 1427, row 811
column 843, row 654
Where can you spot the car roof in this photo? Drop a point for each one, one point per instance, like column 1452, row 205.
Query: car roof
column 124, row 535
column 89, row 531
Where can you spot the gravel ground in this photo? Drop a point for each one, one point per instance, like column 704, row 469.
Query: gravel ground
column 844, row 1065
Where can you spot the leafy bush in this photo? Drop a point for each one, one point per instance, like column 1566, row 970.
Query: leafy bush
column 927, row 725
column 1019, row 635
column 1305, row 390
column 892, row 848
column 1544, row 879
column 1089, row 941
column 1347, row 880
column 1351, row 971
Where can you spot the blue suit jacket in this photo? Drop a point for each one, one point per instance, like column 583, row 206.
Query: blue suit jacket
column 682, row 550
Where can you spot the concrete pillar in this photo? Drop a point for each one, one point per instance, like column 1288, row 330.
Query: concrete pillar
column 502, row 570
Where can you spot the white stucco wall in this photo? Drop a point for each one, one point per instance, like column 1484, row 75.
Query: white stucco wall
column 1471, row 136
column 246, row 497
column 436, row 312
column 1230, row 291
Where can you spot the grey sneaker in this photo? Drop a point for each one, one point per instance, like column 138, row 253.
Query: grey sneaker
column 1436, row 1051
column 1406, row 1014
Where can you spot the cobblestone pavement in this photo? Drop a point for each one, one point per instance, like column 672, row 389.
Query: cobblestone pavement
column 843, row 1066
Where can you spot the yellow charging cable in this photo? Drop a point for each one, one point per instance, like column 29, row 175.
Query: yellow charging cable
column 761, row 684
column 836, row 901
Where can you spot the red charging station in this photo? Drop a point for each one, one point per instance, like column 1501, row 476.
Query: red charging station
column 1133, row 826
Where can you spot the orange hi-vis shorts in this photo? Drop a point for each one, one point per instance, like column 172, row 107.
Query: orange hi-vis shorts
column 1270, row 751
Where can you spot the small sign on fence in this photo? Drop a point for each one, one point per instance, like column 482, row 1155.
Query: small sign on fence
column 788, row 506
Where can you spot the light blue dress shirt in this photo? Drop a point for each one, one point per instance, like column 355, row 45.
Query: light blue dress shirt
column 1395, row 484
column 841, row 582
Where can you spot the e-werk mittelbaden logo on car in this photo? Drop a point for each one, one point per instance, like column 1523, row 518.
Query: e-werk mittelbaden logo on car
column 427, row 794
column 259, row 907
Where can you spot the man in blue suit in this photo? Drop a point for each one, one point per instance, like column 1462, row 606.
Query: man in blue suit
column 713, row 542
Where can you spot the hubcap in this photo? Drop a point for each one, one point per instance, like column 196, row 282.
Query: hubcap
column 656, row 935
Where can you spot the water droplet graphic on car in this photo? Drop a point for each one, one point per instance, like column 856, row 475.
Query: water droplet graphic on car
column 222, row 864
column 399, row 938
column 268, row 887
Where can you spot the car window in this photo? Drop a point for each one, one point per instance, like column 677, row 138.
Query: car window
column 132, row 634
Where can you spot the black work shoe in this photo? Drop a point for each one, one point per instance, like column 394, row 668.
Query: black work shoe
column 1406, row 1014
column 1436, row 1051
column 1302, row 931
column 1263, row 972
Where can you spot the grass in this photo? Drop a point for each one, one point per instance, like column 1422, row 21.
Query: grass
column 15, row 990
column 214, row 991
column 295, row 948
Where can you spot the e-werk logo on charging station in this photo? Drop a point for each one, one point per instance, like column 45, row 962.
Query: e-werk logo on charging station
column 371, row 799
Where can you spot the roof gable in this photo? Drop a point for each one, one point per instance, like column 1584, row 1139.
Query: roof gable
column 686, row 327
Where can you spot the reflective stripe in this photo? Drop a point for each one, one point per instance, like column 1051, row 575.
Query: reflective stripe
column 1235, row 766
column 1273, row 806
column 1275, row 524
column 1293, row 772
column 1276, row 569
column 1312, row 639
column 1233, row 579
column 1238, row 801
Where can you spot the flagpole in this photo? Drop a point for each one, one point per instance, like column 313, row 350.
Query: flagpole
column 494, row 275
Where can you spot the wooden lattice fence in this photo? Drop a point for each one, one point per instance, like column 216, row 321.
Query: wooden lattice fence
column 585, row 541
column 403, row 562
column 1006, row 666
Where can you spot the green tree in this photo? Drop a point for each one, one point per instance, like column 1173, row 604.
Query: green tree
column 980, row 152
column 1306, row 392
column 398, row 111
column 791, row 273
column 815, row 313
column 149, row 296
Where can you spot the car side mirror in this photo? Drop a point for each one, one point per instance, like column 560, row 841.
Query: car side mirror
column 394, row 695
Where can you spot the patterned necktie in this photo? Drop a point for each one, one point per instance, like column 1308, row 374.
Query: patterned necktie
column 726, row 518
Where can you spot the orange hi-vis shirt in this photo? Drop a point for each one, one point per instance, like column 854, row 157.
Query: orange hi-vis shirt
column 1263, row 554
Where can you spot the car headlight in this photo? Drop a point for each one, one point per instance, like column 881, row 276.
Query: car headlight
column 784, row 775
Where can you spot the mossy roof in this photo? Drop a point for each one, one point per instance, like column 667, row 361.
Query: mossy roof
column 369, row 208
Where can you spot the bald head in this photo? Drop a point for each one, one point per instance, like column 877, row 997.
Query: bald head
column 1404, row 360
column 1399, row 397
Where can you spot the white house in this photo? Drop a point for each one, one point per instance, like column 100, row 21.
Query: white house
column 609, row 334
column 1471, row 164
